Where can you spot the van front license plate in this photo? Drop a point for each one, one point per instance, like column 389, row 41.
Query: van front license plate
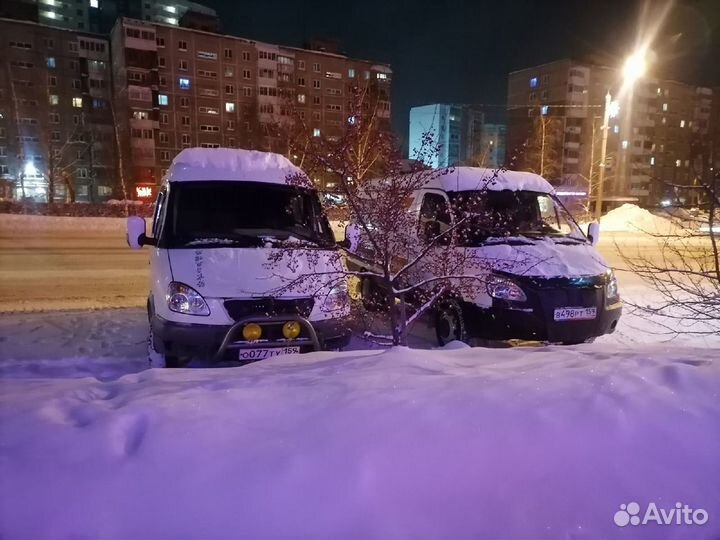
column 261, row 354
column 575, row 314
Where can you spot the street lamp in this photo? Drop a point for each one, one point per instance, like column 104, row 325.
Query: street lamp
column 633, row 69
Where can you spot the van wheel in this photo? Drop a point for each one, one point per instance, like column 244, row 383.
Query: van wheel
column 157, row 359
column 373, row 298
column 450, row 323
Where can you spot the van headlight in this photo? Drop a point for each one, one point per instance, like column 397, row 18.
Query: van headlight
column 611, row 287
column 337, row 299
column 503, row 288
column 184, row 299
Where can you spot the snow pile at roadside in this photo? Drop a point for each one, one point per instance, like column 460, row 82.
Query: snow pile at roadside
column 19, row 223
column 632, row 218
column 467, row 443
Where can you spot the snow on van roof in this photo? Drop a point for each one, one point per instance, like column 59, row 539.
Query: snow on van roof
column 477, row 178
column 231, row 164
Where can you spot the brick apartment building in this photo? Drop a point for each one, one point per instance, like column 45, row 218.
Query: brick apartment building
column 653, row 139
column 180, row 87
column 56, row 126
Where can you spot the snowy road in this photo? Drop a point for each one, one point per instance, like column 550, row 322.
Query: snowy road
column 65, row 263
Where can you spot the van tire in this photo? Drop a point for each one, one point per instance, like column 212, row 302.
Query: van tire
column 450, row 323
column 157, row 359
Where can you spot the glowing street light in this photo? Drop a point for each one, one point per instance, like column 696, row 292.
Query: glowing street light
column 635, row 67
column 30, row 169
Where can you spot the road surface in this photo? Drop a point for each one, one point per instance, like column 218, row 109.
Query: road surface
column 83, row 263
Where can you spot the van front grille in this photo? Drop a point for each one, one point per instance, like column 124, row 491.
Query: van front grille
column 269, row 307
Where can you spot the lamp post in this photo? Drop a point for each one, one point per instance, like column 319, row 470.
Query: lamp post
column 633, row 69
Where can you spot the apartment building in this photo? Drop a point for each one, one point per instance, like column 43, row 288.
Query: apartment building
column 491, row 150
column 180, row 87
column 100, row 15
column 651, row 139
column 455, row 129
column 56, row 129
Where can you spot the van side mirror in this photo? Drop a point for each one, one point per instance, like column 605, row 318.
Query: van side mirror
column 593, row 233
column 352, row 237
column 136, row 238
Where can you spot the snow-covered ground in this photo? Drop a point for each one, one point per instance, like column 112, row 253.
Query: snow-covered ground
column 467, row 443
column 530, row 442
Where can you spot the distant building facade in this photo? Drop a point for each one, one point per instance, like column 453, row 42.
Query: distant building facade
column 559, row 106
column 455, row 129
column 492, row 146
column 180, row 87
column 57, row 137
column 100, row 15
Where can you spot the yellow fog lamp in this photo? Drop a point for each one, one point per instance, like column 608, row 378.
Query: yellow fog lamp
column 291, row 329
column 252, row 332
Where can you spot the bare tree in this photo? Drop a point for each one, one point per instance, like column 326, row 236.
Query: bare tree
column 411, row 266
column 685, row 270
column 543, row 152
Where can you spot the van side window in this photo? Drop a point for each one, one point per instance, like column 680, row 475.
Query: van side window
column 158, row 214
column 434, row 215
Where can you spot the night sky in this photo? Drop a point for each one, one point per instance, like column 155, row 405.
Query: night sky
column 461, row 51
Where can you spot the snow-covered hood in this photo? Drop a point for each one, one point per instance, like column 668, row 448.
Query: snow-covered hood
column 544, row 258
column 246, row 272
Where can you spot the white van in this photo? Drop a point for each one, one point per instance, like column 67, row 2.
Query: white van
column 244, row 264
column 542, row 278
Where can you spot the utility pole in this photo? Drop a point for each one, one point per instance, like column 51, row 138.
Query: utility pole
column 603, row 154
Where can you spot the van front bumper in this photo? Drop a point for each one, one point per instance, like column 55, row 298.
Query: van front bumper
column 501, row 323
column 204, row 340
column 534, row 319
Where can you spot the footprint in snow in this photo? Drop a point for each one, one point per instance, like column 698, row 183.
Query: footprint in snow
column 126, row 434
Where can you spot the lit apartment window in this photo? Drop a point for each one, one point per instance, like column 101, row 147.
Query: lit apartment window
column 665, row 106
column 316, row 132
column 50, row 61
column 624, row 145
column 229, row 106
column 544, row 110
column 184, row 83
column 664, row 120
column 616, row 129
column 366, row 74
column 533, row 82
column 77, row 102
column 678, row 162
column 162, row 99
column 682, row 123
column 652, row 158
column 94, row 4
column 301, row 98
column 382, row 76
column 53, row 99
column 351, row 73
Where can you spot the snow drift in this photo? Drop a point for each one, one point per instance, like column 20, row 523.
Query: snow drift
column 632, row 218
column 465, row 443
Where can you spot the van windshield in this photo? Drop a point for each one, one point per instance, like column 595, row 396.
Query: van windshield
column 243, row 214
column 492, row 215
